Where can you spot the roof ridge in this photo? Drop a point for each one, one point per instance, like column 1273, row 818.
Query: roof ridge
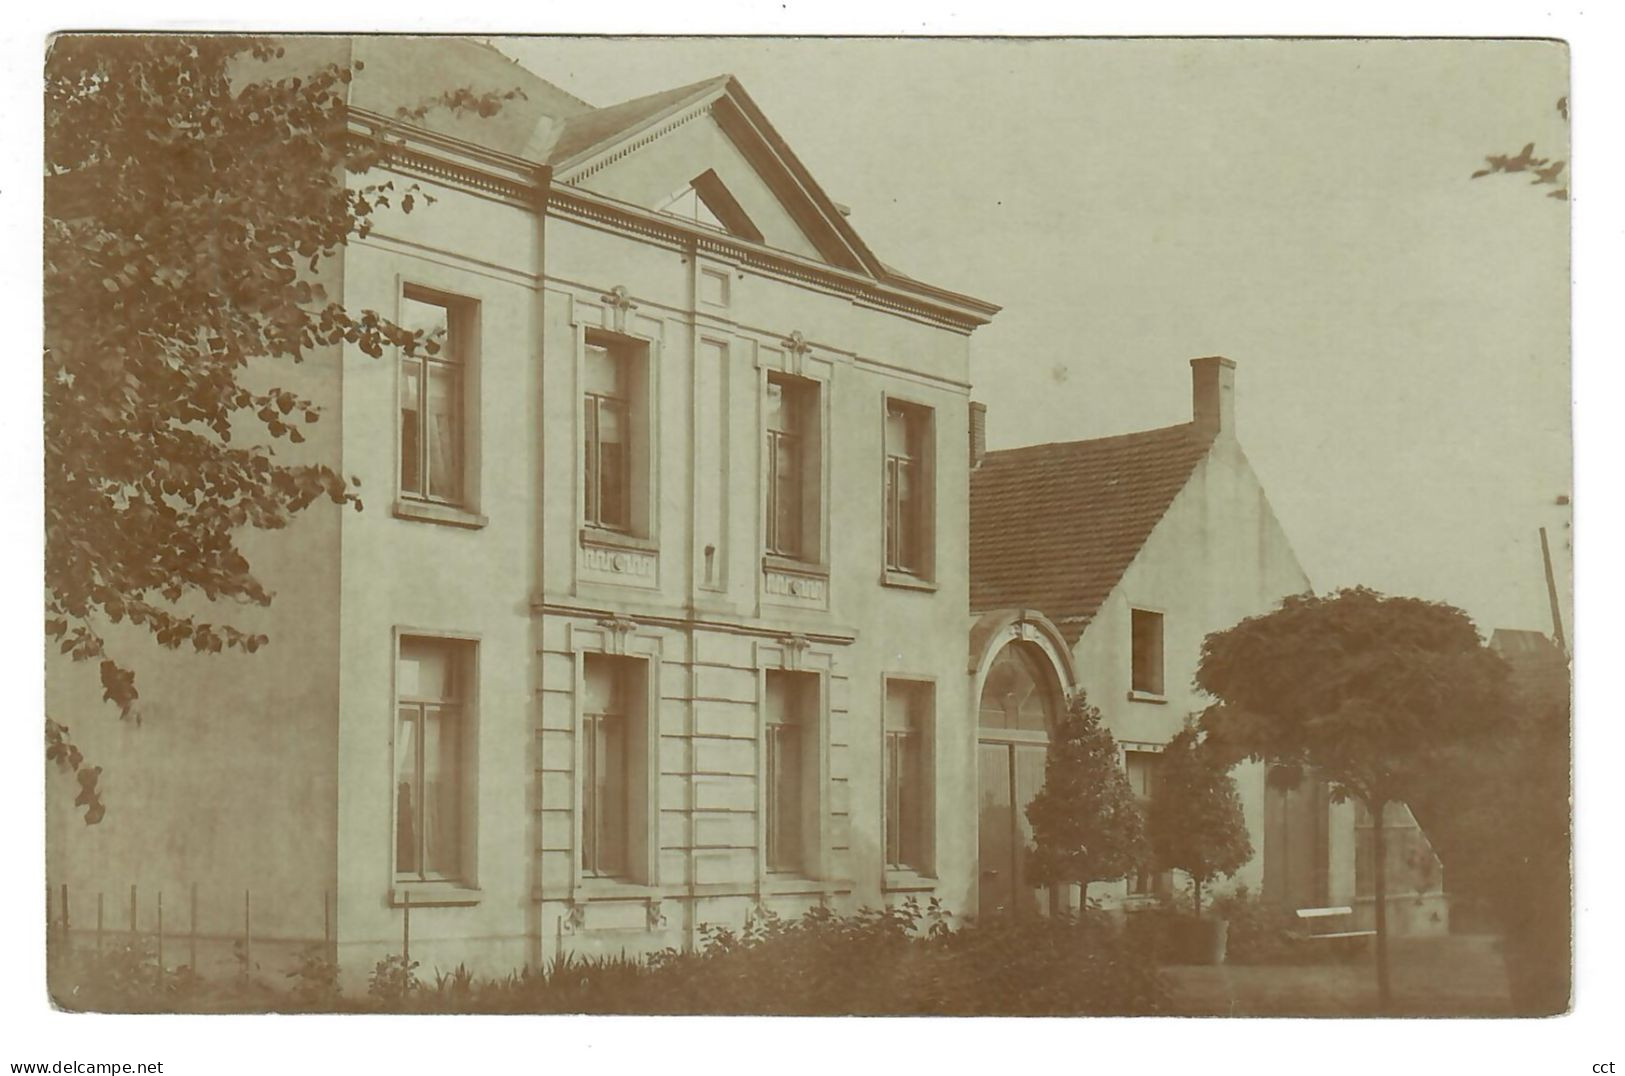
column 1189, row 427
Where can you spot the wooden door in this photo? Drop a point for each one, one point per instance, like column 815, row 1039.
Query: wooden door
column 1028, row 771
column 1011, row 775
column 996, row 831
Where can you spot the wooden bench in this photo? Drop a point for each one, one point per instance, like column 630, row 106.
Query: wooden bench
column 1333, row 926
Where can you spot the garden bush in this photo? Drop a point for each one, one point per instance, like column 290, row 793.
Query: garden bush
column 905, row 960
column 1260, row 933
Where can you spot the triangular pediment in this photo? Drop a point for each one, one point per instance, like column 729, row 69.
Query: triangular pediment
column 706, row 154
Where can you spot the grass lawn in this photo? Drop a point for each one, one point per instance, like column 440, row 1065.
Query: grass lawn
column 1452, row 975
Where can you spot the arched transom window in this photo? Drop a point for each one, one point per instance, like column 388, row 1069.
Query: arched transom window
column 1019, row 693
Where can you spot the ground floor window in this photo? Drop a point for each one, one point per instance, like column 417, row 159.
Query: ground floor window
column 430, row 757
column 791, row 734
column 908, row 788
column 1141, row 768
column 612, row 788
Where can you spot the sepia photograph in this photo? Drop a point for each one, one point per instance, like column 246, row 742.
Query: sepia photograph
column 807, row 526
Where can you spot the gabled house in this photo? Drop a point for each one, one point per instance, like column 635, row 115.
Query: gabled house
column 1132, row 549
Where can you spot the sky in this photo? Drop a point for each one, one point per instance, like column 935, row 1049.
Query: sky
column 1303, row 207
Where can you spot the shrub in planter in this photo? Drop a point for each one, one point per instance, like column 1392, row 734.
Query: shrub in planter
column 1196, row 826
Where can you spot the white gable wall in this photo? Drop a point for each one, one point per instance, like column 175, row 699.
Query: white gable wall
column 1217, row 557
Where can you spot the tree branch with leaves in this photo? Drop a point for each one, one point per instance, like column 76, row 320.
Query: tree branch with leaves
column 190, row 204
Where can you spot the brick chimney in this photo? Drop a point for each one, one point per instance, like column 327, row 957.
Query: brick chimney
column 978, row 433
column 1213, row 395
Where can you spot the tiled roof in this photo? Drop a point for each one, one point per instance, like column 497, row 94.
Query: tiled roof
column 1054, row 527
column 587, row 130
column 408, row 71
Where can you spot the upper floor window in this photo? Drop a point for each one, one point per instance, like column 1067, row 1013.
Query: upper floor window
column 433, row 417
column 606, row 424
column 1146, row 632
column 432, row 700
column 793, row 467
column 907, row 486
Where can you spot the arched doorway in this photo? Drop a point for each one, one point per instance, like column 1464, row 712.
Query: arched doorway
column 1019, row 702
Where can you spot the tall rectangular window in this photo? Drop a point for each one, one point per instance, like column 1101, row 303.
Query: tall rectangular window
column 907, row 806
column 432, row 415
column 611, row 731
column 907, row 484
column 606, row 425
column 1146, row 630
column 429, row 758
column 791, row 733
column 793, row 473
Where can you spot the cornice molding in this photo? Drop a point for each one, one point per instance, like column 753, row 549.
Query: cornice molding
column 567, row 201
column 453, row 161
column 584, row 165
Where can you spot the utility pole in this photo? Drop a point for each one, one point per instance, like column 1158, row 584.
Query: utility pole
column 1551, row 594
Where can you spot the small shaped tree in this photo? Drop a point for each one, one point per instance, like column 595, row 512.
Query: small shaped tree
column 1086, row 824
column 1195, row 822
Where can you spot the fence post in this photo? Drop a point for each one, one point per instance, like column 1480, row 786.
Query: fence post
column 67, row 922
column 406, row 927
column 98, row 921
column 132, row 912
column 248, row 936
column 327, row 927
column 191, row 940
column 160, row 939
column 50, row 920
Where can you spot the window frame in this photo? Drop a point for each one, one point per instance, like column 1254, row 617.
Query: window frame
column 1146, row 882
column 918, row 861
column 463, row 655
column 812, row 781
column 459, row 356
column 593, row 468
column 1046, row 680
column 804, row 397
column 640, row 769
column 920, row 427
column 634, row 358
column 1151, row 690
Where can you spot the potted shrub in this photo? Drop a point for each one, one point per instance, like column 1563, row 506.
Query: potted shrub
column 1086, row 824
column 1195, row 825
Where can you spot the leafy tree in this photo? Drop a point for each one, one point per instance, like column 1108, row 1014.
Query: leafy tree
column 1086, row 824
column 1195, row 823
column 1367, row 690
column 1498, row 815
column 190, row 204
